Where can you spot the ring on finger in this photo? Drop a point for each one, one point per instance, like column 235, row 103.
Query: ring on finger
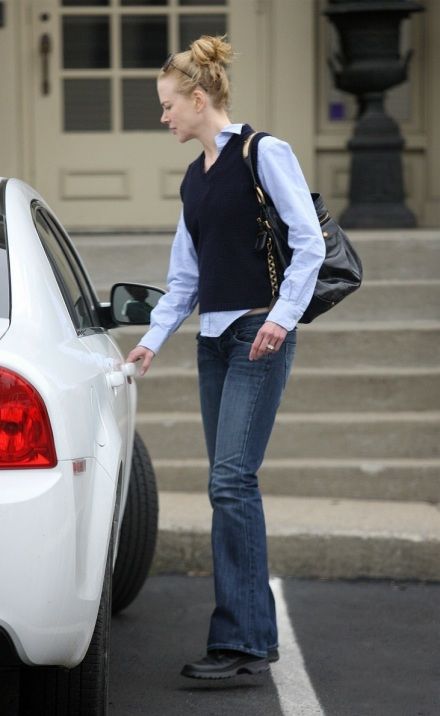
column 270, row 347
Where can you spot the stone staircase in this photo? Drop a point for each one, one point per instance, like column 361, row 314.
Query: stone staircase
column 352, row 475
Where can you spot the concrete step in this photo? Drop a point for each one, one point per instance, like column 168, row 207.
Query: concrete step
column 399, row 254
column 408, row 255
column 323, row 344
column 373, row 436
column 309, row 390
column 391, row 300
column 312, row 537
column 109, row 259
column 380, row 479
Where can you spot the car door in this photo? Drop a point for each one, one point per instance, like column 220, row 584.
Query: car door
column 113, row 393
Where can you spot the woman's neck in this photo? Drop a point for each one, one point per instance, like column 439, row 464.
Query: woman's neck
column 208, row 133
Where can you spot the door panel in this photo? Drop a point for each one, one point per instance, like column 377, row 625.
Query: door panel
column 114, row 404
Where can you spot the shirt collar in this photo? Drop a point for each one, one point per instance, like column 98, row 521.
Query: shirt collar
column 222, row 137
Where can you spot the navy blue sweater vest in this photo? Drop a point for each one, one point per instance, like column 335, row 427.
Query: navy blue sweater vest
column 220, row 211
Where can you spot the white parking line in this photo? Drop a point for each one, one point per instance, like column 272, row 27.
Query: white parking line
column 295, row 691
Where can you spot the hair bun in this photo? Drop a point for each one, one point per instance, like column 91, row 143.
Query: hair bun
column 207, row 50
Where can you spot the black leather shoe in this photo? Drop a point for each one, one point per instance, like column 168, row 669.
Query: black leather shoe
column 220, row 664
column 273, row 655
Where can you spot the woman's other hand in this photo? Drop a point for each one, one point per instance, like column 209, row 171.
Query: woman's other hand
column 269, row 339
column 141, row 354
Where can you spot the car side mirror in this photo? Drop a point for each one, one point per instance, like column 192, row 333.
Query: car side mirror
column 132, row 303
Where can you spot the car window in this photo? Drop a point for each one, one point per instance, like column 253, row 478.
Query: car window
column 4, row 264
column 75, row 265
column 70, row 287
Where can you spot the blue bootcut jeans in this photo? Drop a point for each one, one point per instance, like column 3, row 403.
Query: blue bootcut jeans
column 239, row 401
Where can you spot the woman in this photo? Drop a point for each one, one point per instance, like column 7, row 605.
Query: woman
column 245, row 346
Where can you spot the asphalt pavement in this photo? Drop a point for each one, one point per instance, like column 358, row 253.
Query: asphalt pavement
column 362, row 648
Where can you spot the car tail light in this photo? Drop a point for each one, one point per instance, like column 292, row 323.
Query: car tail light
column 26, row 438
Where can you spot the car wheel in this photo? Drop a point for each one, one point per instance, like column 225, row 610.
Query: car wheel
column 137, row 539
column 82, row 691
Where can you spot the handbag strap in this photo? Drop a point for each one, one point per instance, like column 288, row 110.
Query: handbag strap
column 247, row 156
column 321, row 210
column 263, row 219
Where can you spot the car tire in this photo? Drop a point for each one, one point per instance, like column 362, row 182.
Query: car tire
column 82, row 691
column 137, row 539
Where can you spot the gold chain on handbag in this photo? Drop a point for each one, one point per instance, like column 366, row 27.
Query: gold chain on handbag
column 272, row 268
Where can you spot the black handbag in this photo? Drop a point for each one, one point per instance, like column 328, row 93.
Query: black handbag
column 341, row 272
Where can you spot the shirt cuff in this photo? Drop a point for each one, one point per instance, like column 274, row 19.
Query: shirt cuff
column 154, row 339
column 285, row 313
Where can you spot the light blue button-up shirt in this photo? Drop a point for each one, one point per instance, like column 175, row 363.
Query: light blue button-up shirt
column 281, row 177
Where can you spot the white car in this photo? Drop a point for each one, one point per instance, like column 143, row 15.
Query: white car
column 78, row 501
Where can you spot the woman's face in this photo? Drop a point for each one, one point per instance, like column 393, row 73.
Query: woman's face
column 179, row 111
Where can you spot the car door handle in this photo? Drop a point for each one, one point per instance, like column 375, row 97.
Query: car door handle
column 129, row 369
column 116, row 378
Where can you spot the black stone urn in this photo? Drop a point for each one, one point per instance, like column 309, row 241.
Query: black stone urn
column 368, row 64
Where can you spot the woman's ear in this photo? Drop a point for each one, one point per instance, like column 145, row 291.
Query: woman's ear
column 199, row 98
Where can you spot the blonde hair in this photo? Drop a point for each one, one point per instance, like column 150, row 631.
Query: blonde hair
column 204, row 65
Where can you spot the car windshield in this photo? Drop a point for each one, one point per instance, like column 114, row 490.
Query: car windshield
column 4, row 270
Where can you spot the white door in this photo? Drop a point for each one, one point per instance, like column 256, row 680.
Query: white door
column 101, row 157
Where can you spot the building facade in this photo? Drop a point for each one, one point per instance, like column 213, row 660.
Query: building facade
column 79, row 116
